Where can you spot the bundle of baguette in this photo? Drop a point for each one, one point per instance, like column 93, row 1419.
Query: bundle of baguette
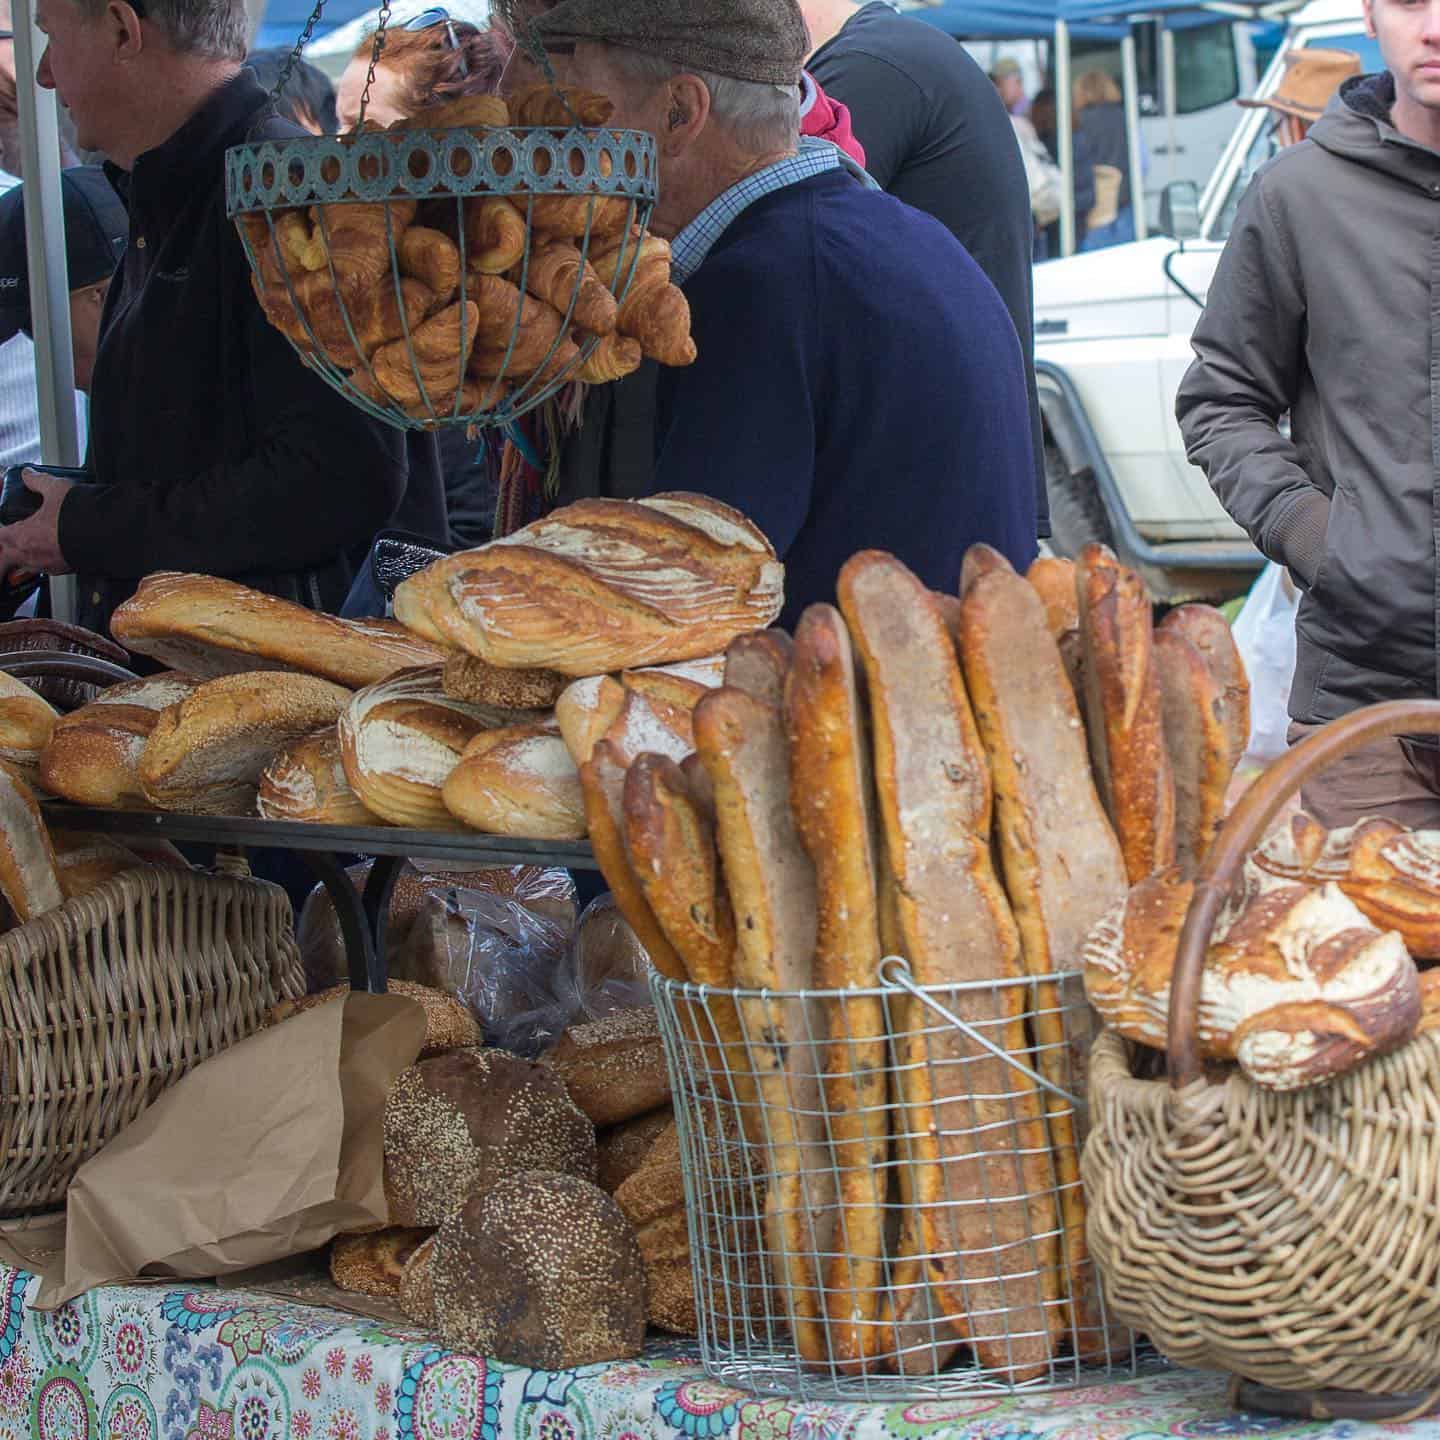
column 487, row 295
column 967, row 781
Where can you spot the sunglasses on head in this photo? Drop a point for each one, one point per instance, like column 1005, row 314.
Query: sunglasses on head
column 438, row 15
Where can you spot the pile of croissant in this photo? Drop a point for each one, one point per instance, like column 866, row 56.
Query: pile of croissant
column 494, row 292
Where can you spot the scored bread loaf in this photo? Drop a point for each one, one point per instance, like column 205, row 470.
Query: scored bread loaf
column 832, row 797
column 603, row 585
column 658, row 720
column 26, row 724
column 518, row 780
column 93, row 757
column 953, row 925
column 207, row 627
column 400, row 740
column 1197, row 740
column 29, row 875
column 206, row 753
column 1210, row 633
column 613, row 1069
column 1123, row 711
column 467, row 678
column 374, row 1263
column 1062, row 865
column 1393, row 876
column 306, row 781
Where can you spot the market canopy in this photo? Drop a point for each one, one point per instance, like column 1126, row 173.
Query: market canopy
column 1088, row 19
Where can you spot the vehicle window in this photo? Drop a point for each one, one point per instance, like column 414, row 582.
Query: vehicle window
column 1367, row 49
column 1261, row 149
column 1207, row 71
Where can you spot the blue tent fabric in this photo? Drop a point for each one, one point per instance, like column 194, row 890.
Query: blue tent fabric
column 1088, row 19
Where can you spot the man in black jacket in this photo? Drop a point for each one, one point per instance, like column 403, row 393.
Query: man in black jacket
column 212, row 448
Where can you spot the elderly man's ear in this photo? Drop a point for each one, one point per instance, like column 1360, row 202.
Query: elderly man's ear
column 686, row 113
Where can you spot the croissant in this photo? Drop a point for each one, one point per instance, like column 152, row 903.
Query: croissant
column 534, row 338
column 522, row 368
column 447, row 335
column 565, row 105
column 569, row 216
column 374, row 317
column 615, row 357
column 501, row 307
column 654, row 312
column 617, row 260
column 431, row 257
column 494, row 235
column 559, row 274
column 356, row 238
column 467, row 112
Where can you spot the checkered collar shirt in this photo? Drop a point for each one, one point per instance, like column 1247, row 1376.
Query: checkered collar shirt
column 690, row 247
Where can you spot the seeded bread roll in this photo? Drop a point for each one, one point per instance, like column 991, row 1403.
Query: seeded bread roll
column 448, row 1024
column 93, row 756
column 541, row 1270
column 417, row 1286
column 458, row 1123
column 614, row 1069
column 469, row 678
column 209, row 627
column 26, row 722
column 622, row 1148
column 205, row 755
column 306, row 781
column 373, row 1264
column 518, row 780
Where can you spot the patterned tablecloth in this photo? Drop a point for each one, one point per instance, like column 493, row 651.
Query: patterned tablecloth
column 163, row 1363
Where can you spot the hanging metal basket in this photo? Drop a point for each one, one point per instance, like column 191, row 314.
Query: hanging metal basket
column 447, row 276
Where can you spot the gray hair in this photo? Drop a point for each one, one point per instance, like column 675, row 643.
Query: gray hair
column 759, row 118
column 212, row 29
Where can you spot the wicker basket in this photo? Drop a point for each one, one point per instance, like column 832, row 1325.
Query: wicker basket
column 1292, row 1239
column 90, row 661
column 112, row 997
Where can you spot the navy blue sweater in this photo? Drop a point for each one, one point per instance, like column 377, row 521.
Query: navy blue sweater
column 859, row 386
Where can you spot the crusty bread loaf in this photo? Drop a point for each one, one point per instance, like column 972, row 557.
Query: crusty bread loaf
column 448, row 1024
column 401, row 738
column 26, row 723
column 306, row 781
column 83, row 862
column 467, row 678
column 1210, row 633
column 607, row 953
column 93, row 757
column 373, row 1264
column 29, row 876
column 954, row 925
column 518, row 780
column 1429, row 1001
column 1197, row 740
column 832, row 797
column 417, row 1286
column 1298, row 985
column 653, row 1201
column 457, row 1124
column 758, row 664
column 657, row 719
column 1123, row 711
column 1393, row 877
column 205, row 754
column 1054, row 582
column 208, row 627
column 613, row 1069
column 621, row 1150
column 1062, row 865
column 603, row 585
column 981, row 560
column 540, row 1270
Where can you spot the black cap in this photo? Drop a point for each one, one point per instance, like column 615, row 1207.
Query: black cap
column 96, row 228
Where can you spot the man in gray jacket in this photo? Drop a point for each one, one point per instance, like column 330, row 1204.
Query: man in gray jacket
column 1324, row 308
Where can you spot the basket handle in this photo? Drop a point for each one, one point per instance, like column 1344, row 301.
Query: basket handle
column 1242, row 831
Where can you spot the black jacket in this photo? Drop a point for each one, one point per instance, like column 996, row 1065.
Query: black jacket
column 213, row 449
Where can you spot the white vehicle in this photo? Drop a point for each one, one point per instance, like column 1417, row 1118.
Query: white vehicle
column 1112, row 342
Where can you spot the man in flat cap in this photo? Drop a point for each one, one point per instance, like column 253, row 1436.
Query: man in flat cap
column 859, row 382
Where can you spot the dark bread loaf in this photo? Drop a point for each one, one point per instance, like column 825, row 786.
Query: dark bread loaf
column 621, row 1149
column 613, row 1069
column 373, row 1264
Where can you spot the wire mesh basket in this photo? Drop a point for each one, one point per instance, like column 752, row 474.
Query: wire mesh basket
column 890, row 1205
column 454, row 274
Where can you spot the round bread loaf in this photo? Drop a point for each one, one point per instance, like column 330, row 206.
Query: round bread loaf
column 26, row 723
column 621, row 1149
column 457, row 1124
column 417, row 1286
column 653, row 1201
column 518, row 780
column 448, row 1024
column 469, row 678
column 607, row 953
column 541, row 1270
column 614, row 1068
column 306, row 781
column 93, row 757
column 373, row 1264
column 205, row 755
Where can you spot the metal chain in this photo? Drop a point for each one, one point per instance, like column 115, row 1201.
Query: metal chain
column 376, row 50
column 293, row 59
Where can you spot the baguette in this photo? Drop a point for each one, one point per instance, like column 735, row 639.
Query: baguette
column 1062, row 864
column 1122, row 712
column 981, row 560
column 1210, row 633
column 758, row 664
column 976, row 1172
column 741, row 742
column 831, row 795
column 1054, row 582
column 29, row 872
column 1197, row 740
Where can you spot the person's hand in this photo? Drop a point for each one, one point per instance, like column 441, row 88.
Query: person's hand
column 33, row 545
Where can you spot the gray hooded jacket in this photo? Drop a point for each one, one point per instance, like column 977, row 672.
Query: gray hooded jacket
column 1326, row 305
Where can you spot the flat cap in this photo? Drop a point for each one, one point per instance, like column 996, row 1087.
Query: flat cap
column 760, row 40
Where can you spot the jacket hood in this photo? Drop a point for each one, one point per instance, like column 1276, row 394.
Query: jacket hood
column 1356, row 126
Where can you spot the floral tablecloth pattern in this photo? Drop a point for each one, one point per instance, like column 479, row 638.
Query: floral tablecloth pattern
column 195, row 1363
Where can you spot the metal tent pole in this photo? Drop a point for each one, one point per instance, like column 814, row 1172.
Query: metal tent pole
column 49, row 282
column 1065, row 137
column 1167, row 65
column 1132, row 134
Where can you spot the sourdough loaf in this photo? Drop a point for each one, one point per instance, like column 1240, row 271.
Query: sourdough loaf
column 205, row 754
column 1197, row 740
column 306, row 781
column 26, row 723
column 401, row 738
column 29, row 876
column 613, row 1069
column 84, row 862
column 603, row 585
column 621, row 1150
column 93, row 757
column 1394, row 878
column 518, row 780
column 208, row 627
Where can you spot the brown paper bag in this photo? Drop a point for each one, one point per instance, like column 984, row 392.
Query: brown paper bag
column 267, row 1150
